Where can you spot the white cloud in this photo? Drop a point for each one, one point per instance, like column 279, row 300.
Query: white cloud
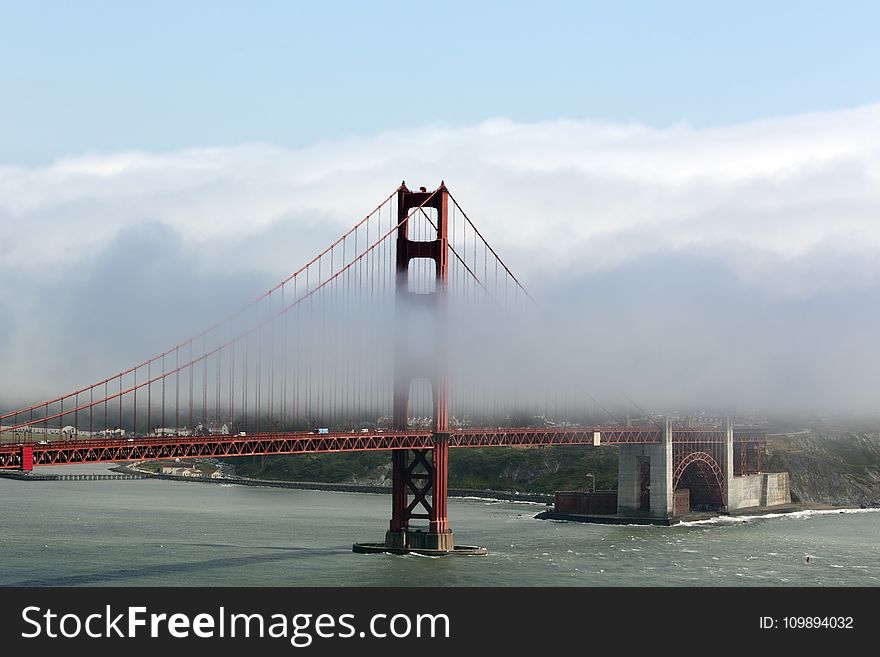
column 788, row 207
column 588, row 194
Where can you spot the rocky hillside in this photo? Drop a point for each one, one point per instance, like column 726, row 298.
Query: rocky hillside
column 833, row 467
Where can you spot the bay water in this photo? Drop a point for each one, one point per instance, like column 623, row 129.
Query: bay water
column 164, row 533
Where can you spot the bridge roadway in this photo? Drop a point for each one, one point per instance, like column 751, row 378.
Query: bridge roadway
column 13, row 455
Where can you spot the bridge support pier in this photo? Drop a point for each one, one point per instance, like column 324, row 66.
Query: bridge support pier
column 27, row 458
column 419, row 491
column 417, row 541
column 644, row 478
column 425, row 478
column 727, row 465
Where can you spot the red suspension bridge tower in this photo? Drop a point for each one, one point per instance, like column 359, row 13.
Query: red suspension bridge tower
column 420, row 476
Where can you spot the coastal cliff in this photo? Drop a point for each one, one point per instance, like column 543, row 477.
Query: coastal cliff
column 830, row 467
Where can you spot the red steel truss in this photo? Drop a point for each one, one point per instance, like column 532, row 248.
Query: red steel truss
column 698, row 457
column 710, row 470
column 502, row 436
column 746, row 443
column 140, row 449
column 749, row 436
column 700, row 435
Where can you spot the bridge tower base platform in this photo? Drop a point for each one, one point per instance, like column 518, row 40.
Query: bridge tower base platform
column 416, row 542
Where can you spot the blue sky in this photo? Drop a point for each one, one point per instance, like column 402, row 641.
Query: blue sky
column 712, row 167
column 103, row 76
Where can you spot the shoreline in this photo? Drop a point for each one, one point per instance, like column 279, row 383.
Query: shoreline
column 484, row 494
column 132, row 472
column 705, row 517
column 501, row 496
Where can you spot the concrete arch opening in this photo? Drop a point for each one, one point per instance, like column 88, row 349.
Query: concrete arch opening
column 698, row 484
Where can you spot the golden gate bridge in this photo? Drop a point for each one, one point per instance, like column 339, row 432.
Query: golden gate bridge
column 368, row 346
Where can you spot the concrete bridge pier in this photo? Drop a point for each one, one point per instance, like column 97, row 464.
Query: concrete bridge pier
column 730, row 501
column 644, row 476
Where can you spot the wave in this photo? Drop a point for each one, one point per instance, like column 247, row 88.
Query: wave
column 807, row 513
column 496, row 500
column 416, row 554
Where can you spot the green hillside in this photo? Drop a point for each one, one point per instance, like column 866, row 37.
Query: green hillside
column 535, row 469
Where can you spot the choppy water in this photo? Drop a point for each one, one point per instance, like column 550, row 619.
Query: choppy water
column 152, row 532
